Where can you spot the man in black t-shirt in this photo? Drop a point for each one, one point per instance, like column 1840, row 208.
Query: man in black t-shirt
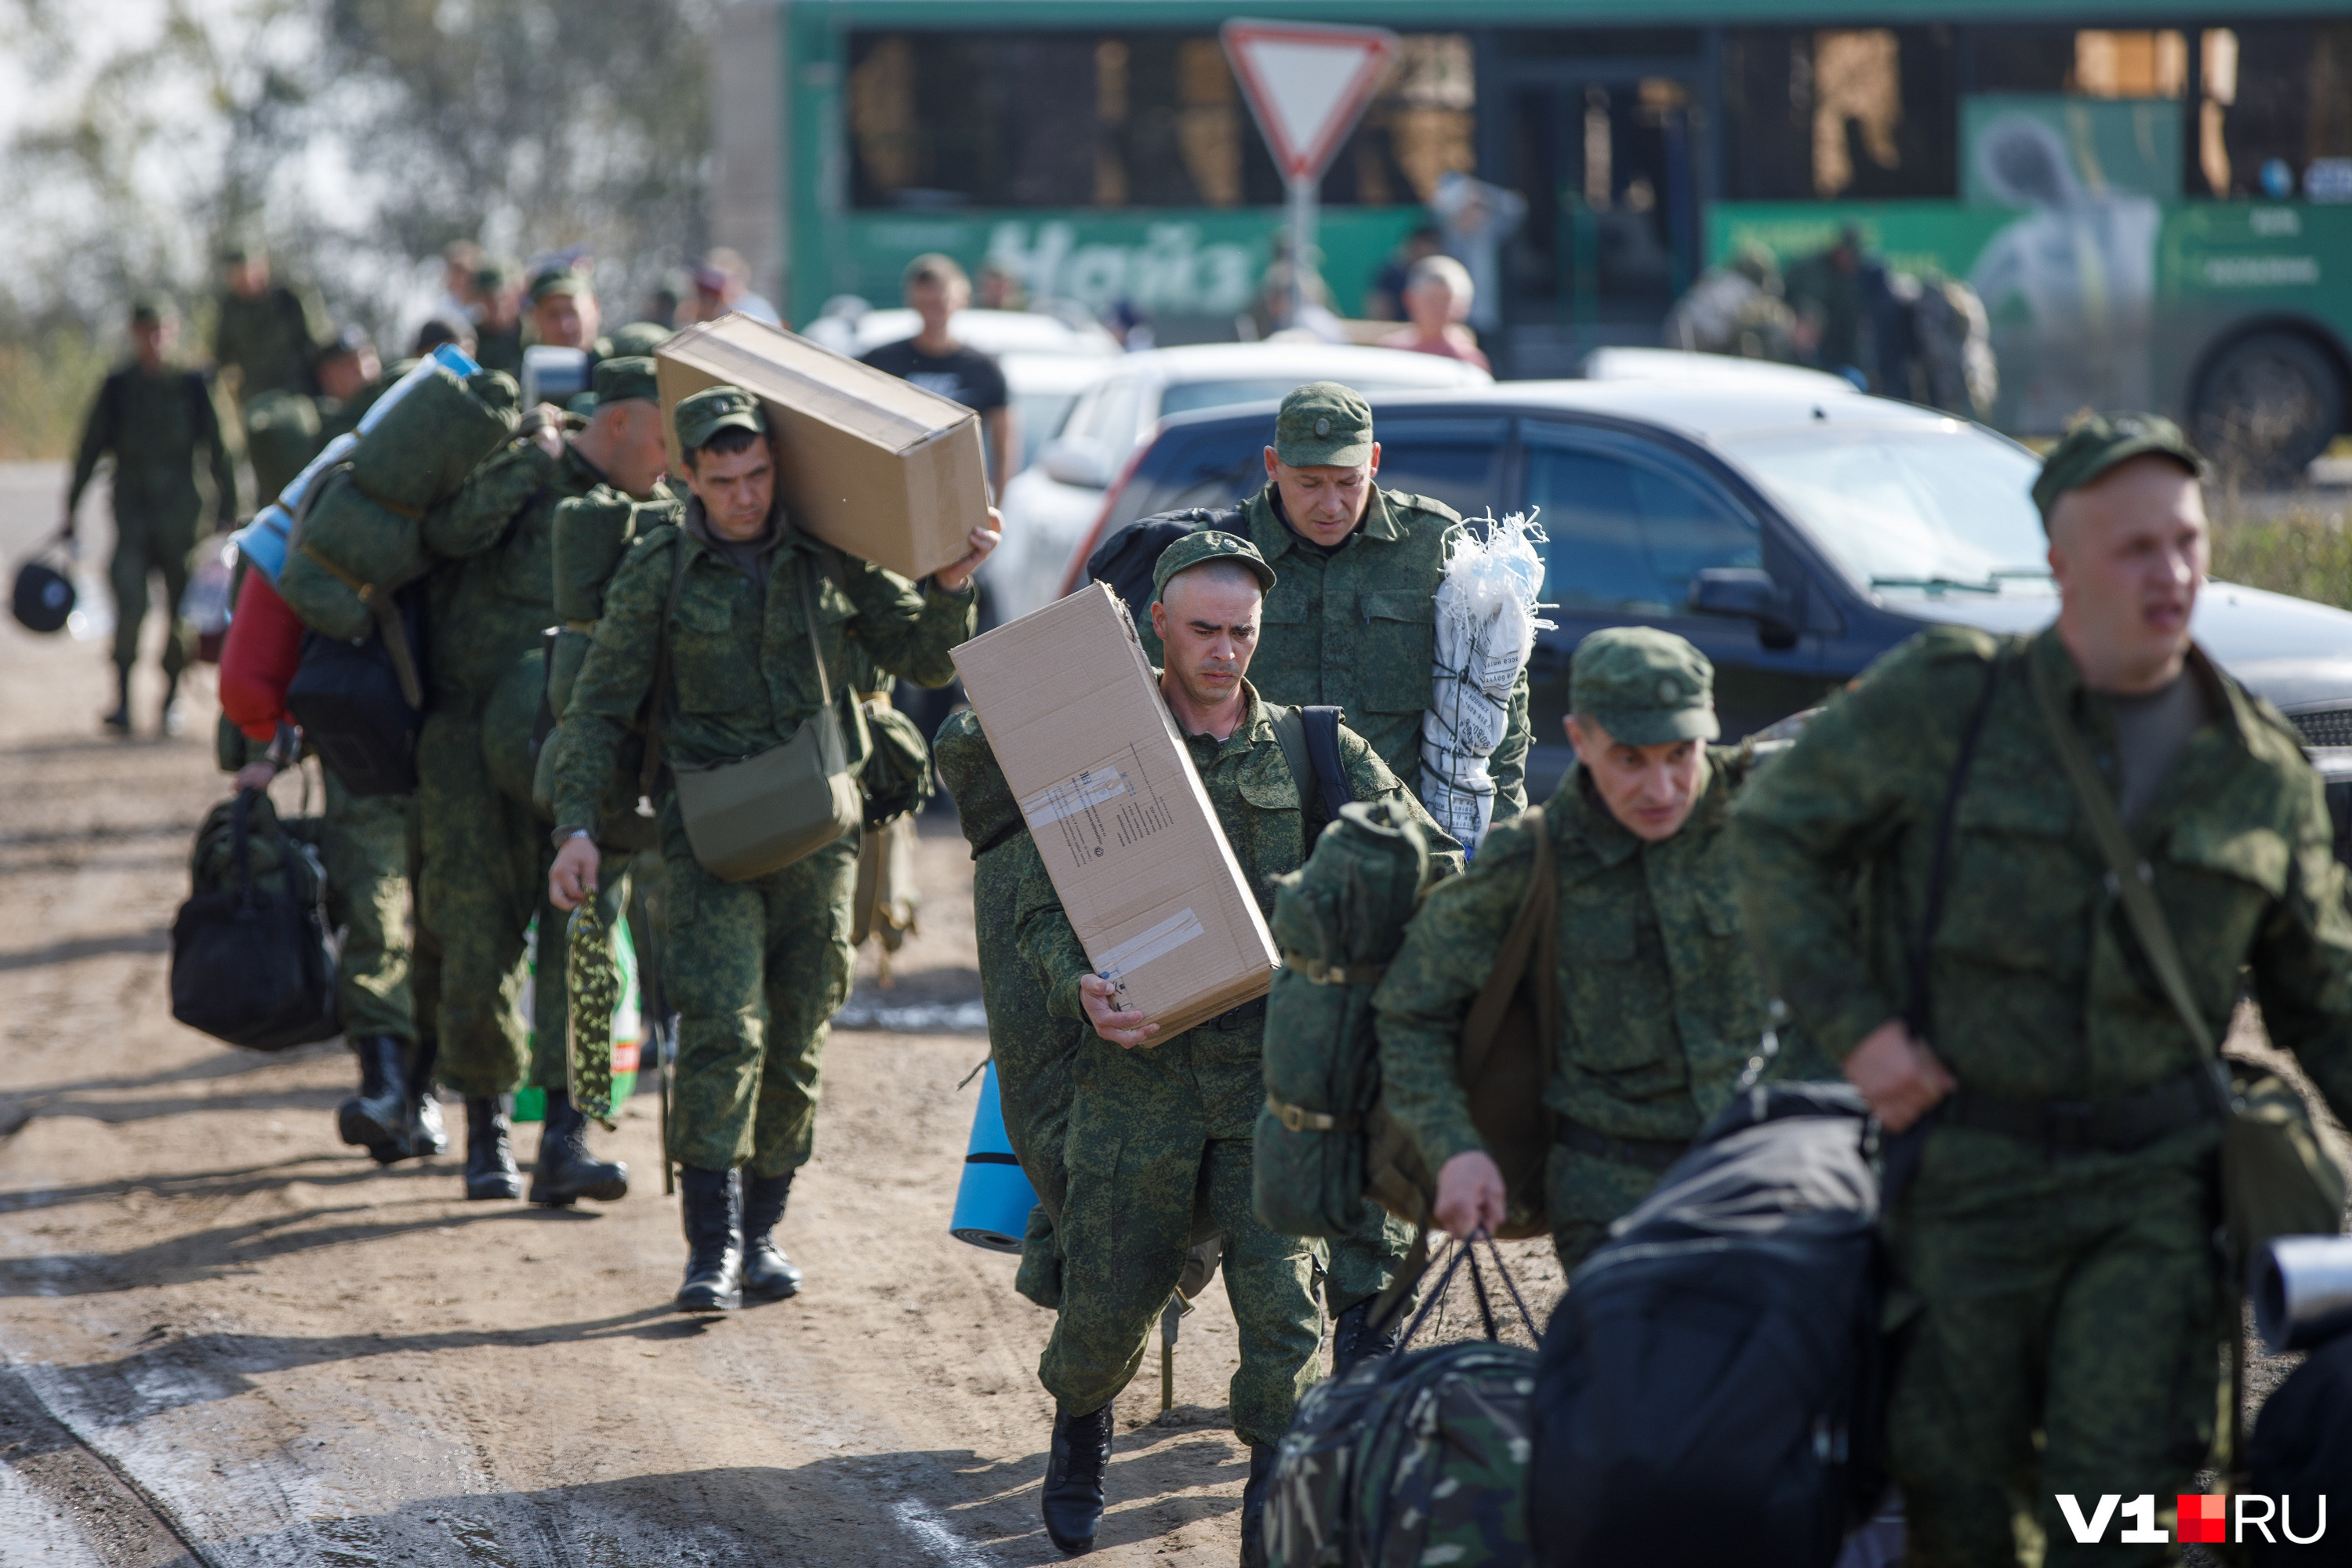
column 936, row 287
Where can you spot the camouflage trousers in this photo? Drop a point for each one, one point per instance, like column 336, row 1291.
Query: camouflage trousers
column 1151, row 1131
column 755, row 970
column 145, row 546
column 365, row 841
column 484, row 877
column 1584, row 1193
column 1365, row 1261
column 2066, row 1343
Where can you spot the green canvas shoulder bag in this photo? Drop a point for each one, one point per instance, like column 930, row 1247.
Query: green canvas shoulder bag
column 746, row 816
column 2276, row 1179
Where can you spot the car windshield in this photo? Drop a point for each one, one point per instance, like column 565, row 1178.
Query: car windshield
column 1185, row 396
column 1041, row 414
column 1940, row 511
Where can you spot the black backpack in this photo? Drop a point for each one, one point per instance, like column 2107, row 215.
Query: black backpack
column 361, row 704
column 1711, row 1386
column 1125, row 560
column 252, row 962
column 2302, row 1452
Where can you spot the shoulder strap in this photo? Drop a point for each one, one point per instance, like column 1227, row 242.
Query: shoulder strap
column 1530, row 940
column 1323, row 753
column 1915, row 1016
column 650, row 771
column 1290, row 729
column 2130, row 874
column 808, row 613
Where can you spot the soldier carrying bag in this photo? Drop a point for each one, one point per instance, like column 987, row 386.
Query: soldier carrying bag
column 751, row 816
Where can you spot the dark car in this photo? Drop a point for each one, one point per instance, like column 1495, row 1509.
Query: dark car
column 1794, row 535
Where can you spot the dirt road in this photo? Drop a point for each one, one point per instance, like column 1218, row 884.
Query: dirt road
column 229, row 1340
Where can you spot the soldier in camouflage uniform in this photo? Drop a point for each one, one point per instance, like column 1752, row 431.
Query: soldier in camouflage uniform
column 2059, row 1232
column 486, row 853
column 1662, row 1009
column 564, row 314
column 1150, row 1128
column 754, row 968
column 1351, row 624
column 158, row 421
column 268, row 334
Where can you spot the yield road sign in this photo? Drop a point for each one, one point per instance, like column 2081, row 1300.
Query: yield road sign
column 1307, row 84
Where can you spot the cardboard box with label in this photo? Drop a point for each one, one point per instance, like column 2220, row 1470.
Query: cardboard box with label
column 868, row 463
column 1069, row 705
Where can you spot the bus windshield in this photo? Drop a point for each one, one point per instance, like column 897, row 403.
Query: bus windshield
column 1911, row 512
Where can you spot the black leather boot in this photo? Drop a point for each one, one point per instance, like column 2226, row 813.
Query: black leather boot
column 565, row 1171
column 1353, row 1341
column 490, row 1161
column 1253, row 1495
column 376, row 1119
column 1073, row 1498
column 119, row 721
column 714, row 1241
column 767, row 1272
column 425, row 1133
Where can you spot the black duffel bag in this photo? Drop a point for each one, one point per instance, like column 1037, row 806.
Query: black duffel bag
column 1711, row 1386
column 361, row 704
column 252, row 962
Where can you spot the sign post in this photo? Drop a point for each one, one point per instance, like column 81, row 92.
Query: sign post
column 1306, row 85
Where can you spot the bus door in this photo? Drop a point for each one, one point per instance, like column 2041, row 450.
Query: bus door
column 1606, row 164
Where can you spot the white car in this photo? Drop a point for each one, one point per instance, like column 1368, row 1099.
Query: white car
column 1684, row 368
column 1049, row 506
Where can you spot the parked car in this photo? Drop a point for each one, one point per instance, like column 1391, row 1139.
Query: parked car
column 1048, row 507
column 1794, row 538
column 1689, row 369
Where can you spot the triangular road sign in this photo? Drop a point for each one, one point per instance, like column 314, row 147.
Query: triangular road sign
column 1307, row 84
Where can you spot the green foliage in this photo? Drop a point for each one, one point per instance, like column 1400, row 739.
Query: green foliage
column 2301, row 551
column 48, row 377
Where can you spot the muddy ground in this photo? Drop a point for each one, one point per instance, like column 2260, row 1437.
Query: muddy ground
column 227, row 1338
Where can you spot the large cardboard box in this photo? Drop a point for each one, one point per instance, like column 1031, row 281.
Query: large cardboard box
column 1070, row 708
column 871, row 464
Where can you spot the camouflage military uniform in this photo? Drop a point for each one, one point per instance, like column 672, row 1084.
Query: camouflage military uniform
column 755, row 968
column 1354, row 628
column 158, row 428
column 2068, row 1291
column 484, row 854
column 1150, row 1127
column 1661, row 1007
column 270, row 340
column 1034, row 1048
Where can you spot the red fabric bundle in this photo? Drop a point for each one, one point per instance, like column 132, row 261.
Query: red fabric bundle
column 258, row 663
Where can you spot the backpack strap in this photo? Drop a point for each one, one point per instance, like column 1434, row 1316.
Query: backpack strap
column 1310, row 746
column 651, row 770
column 1526, row 954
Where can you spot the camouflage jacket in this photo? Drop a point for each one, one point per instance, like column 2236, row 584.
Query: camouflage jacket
column 1356, row 629
column 157, row 428
column 1660, row 1007
column 2036, row 990
column 1260, row 812
column 740, row 677
column 271, row 340
column 490, row 608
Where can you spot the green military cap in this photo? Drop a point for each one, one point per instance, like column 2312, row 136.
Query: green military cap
column 713, row 409
column 559, row 280
column 1199, row 549
column 640, row 338
column 2096, row 445
column 152, row 310
column 618, row 380
column 1645, row 687
column 492, row 275
column 1323, row 425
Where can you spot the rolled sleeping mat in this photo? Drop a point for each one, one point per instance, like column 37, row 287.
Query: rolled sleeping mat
column 2302, row 1290
column 994, row 1201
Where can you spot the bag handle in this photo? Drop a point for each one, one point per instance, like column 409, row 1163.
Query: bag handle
column 2129, row 876
column 240, row 838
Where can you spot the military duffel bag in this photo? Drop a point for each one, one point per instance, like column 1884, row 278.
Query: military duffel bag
column 431, row 430
column 1413, row 1459
column 252, row 962
column 350, row 551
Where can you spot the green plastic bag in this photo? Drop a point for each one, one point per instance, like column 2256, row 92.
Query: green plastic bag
column 1338, row 920
column 626, row 1030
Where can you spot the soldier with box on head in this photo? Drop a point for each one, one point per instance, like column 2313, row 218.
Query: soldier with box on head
column 2056, row 1021
column 1155, row 1121
column 707, row 631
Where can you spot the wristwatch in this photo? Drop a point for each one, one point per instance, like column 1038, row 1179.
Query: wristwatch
column 563, row 835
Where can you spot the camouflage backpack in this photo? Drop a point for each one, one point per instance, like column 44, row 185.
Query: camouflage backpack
column 1411, row 1458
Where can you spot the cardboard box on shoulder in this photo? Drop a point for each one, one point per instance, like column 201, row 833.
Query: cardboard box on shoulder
column 1068, row 700
column 868, row 463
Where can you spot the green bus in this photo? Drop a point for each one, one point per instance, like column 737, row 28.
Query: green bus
column 2155, row 206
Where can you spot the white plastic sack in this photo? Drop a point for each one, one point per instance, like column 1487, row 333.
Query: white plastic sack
column 1486, row 610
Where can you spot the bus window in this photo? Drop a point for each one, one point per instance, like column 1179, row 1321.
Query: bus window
column 1846, row 113
column 2274, row 98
